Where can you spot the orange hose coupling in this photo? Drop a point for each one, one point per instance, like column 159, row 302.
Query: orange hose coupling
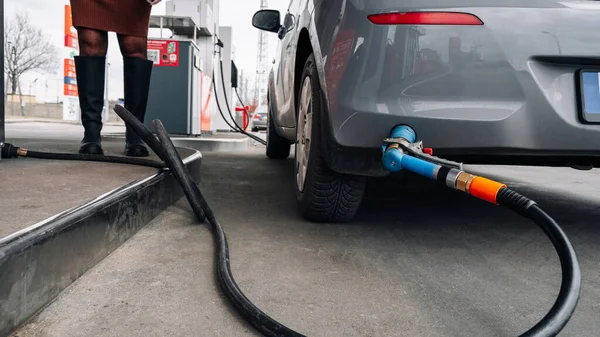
column 485, row 189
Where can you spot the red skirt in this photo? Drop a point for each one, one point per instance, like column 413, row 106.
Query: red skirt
column 126, row 17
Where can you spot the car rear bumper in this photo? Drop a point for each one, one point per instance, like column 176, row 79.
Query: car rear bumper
column 259, row 124
column 540, row 126
column 476, row 93
column 544, row 122
column 355, row 146
column 479, row 142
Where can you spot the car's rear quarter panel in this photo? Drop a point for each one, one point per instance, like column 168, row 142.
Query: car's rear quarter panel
column 507, row 87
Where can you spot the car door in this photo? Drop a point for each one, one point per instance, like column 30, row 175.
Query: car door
column 288, row 38
column 276, row 93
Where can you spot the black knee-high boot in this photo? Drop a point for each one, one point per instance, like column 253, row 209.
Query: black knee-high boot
column 137, row 73
column 90, row 85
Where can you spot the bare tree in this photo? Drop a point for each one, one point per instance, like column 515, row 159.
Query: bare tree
column 26, row 48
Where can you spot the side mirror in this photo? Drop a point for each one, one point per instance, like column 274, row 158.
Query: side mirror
column 267, row 19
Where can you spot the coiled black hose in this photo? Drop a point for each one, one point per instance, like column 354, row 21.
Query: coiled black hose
column 568, row 296
column 256, row 317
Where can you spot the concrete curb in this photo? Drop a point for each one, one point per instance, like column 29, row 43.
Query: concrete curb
column 39, row 262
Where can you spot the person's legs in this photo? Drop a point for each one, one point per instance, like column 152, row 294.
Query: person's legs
column 92, row 42
column 90, row 68
column 137, row 70
column 133, row 46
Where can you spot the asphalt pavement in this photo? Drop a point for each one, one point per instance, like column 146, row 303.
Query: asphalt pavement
column 418, row 260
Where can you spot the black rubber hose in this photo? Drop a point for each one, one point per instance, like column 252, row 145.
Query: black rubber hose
column 11, row 151
column 141, row 130
column 225, row 96
column 237, row 128
column 570, row 287
column 186, row 181
column 219, row 106
column 234, row 128
column 97, row 158
column 257, row 318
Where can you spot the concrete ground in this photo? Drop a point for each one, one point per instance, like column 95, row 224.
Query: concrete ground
column 37, row 128
column 419, row 260
column 34, row 189
column 25, row 198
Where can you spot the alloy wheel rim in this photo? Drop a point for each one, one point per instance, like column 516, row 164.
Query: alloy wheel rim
column 303, row 133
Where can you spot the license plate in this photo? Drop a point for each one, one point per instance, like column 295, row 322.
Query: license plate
column 590, row 92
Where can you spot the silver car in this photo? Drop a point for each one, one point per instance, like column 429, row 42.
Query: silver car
column 259, row 118
column 481, row 81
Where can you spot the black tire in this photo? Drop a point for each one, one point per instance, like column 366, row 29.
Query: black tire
column 277, row 146
column 327, row 196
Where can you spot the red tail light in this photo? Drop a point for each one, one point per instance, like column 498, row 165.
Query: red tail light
column 426, row 18
column 256, row 116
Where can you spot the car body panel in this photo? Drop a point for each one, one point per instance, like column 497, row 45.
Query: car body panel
column 506, row 88
column 281, row 77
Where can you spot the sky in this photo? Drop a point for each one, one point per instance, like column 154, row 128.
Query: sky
column 49, row 15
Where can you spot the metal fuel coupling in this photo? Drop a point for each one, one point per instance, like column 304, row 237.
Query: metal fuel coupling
column 463, row 181
column 451, row 177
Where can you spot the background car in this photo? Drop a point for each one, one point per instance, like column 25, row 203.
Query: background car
column 259, row 118
column 481, row 81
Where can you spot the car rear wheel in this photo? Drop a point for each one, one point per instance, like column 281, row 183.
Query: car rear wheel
column 277, row 146
column 322, row 194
